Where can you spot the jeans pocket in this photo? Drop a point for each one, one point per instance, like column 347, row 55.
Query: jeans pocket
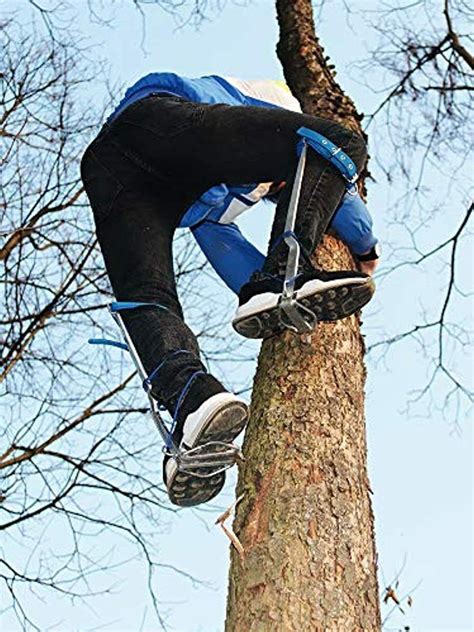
column 163, row 117
column 101, row 186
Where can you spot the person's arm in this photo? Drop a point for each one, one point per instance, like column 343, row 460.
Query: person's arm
column 353, row 224
column 232, row 256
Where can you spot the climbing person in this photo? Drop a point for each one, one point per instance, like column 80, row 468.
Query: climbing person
column 179, row 152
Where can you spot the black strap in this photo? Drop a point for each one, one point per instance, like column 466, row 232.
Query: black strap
column 369, row 256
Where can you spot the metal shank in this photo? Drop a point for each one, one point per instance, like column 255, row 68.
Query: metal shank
column 293, row 315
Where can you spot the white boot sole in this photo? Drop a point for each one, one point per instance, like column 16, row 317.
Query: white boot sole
column 222, row 417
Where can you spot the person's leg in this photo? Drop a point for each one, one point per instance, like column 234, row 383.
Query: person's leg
column 209, row 144
column 317, row 295
column 328, row 295
column 135, row 228
column 322, row 190
column 136, row 216
column 263, row 142
column 236, row 145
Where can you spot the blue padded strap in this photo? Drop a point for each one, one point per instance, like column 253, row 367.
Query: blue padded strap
column 119, row 306
column 110, row 343
column 331, row 152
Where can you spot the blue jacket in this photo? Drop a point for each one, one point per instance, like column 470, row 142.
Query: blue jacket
column 211, row 218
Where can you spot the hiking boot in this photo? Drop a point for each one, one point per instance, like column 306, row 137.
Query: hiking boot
column 207, row 413
column 329, row 295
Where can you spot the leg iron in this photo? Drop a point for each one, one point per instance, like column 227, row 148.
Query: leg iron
column 293, row 315
column 202, row 461
column 268, row 303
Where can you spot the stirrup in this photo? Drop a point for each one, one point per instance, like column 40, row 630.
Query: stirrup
column 201, row 461
column 207, row 460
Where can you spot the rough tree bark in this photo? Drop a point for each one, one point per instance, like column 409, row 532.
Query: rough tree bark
column 305, row 519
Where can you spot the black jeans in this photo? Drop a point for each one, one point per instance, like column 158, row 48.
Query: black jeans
column 146, row 168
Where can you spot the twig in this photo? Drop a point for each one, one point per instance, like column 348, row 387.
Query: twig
column 228, row 531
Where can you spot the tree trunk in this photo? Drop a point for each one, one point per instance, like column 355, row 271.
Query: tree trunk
column 305, row 520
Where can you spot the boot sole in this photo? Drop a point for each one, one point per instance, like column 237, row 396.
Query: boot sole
column 225, row 424
column 328, row 304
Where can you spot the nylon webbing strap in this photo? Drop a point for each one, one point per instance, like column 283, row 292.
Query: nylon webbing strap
column 331, row 152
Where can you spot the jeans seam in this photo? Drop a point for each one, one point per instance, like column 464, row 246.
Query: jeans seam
column 133, row 157
column 100, row 218
column 315, row 190
column 183, row 127
column 103, row 217
column 130, row 155
column 104, row 166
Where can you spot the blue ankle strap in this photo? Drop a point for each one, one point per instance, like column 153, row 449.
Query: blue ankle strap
column 119, row 306
column 147, row 381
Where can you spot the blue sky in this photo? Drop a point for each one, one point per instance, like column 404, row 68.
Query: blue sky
column 420, row 461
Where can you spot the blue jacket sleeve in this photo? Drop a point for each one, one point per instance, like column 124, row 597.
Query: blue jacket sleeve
column 353, row 223
column 232, row 256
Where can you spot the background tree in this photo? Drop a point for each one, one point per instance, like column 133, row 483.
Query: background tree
column 426, row 109
column 305, row 520
column 70, row 463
